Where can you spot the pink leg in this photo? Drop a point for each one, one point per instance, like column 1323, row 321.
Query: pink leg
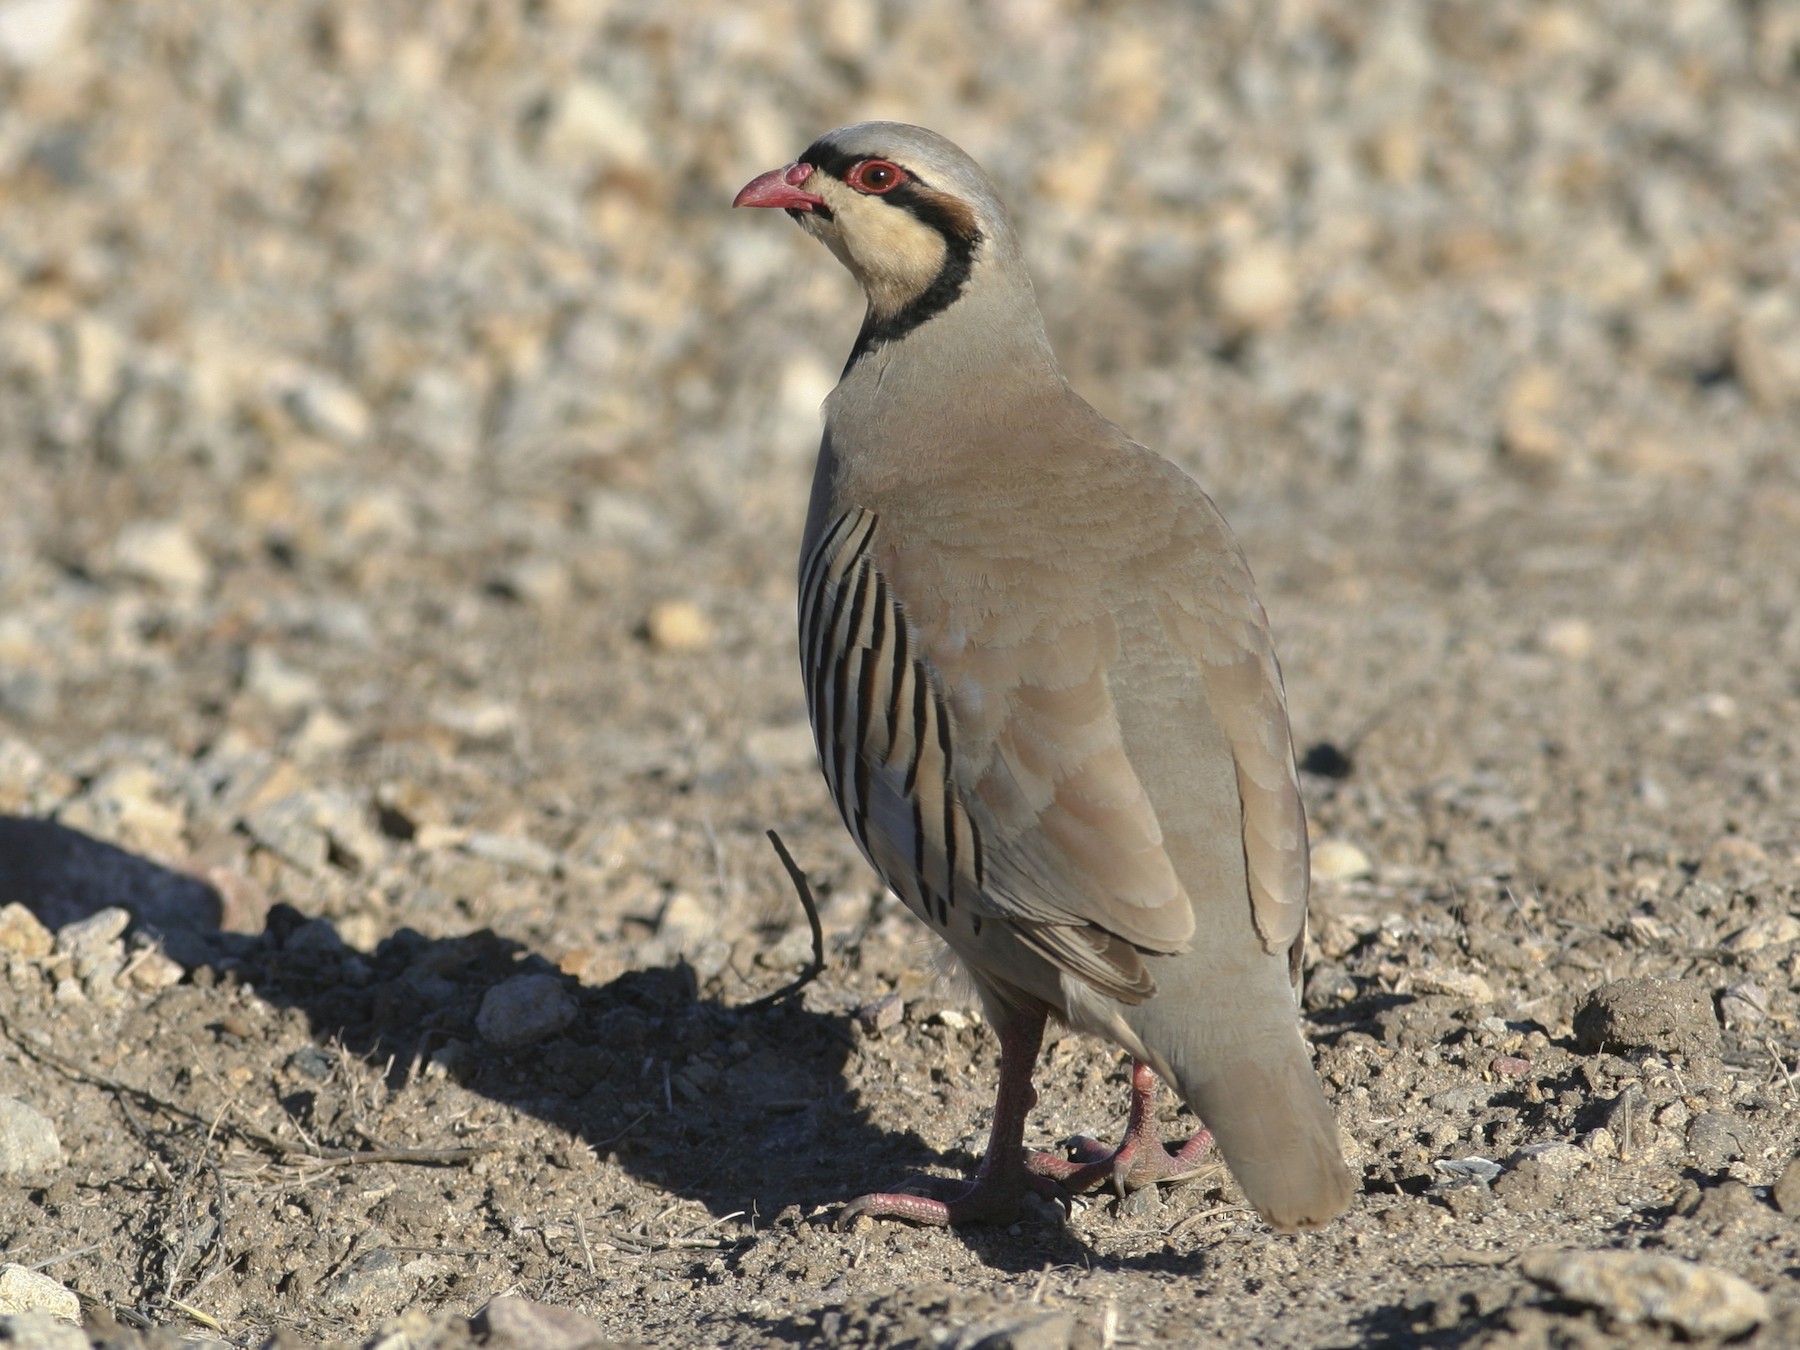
column 1002, row 1179
column 1141, row 1159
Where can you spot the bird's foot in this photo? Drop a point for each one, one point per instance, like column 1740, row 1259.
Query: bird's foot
column 1137, row 1162
column 1140, row 1160
column 994, row 1197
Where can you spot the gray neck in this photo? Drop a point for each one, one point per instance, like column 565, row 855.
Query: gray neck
column 983, row 361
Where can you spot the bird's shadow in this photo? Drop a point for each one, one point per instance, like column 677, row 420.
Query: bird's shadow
column 744, row 1109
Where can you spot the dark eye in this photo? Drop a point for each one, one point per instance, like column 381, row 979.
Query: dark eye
column 876, row 176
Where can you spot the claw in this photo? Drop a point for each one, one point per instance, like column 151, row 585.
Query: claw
column 1140, row 1160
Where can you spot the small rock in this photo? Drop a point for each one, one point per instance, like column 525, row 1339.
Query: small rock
column 93, row 943
column 1142, row 1204
column 587, row 121
column 1730, row 1202
column 327, row 407
column 1339, row 860
column 628, row 521
column 22, row 934
column 29, row 1148
column 29, row 695
column 1601, row 1142
column 1467, row 1201
column 1458, row 983
column 513, row 1323
column 163, row 552
column 29, row 1291
column 792, row 950
column 1510, row 1066
column 1715, row 1138
column 595, row 966
column 407, row 806
column 288, row 827
column 272, row 679
column 875, row 1018
column 349, row 829
column 1772, row 930
column 1634, row 1287
column 440, row 414
column 316, row 938
column 1765, row 350
column 678, row 626
column 1572, row 639
column 376, row 515
column 1744, row 1004
column 34, row 31
column 1786, row 1191
column 1528, row 427
column 415, row 1327
column 684, row 921
column 778, row 748
column 378, row 1282
column 1555, row 1161
column 1668, row 1016
column 542, row 583
column 1461, row 1100
column 322, row 734
column 1328, row 987
column 525, row 1009
column 126, row 804
column 153, row 969
column 1472, row 1168
column 512, row 850
column 478, row 720
column 1255, row 289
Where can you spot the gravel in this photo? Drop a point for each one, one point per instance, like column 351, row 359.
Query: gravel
column 404, row 453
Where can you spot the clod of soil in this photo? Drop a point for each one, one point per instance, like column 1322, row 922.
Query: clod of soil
column 1672, row 1017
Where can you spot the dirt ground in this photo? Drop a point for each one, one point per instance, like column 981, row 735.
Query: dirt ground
column 404, row 452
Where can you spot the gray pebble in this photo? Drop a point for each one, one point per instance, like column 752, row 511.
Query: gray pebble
column 162, row 551
column 513, row 1323
column 1715, row 1138
column 29, row 1148
column 525, row 1009
column 1636, row 1287
column 277, row 682
column 379, row 1282
column 512, row 850
column 94, row 941
column 288, row 827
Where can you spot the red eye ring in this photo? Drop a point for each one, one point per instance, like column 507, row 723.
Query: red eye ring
column 876, row 176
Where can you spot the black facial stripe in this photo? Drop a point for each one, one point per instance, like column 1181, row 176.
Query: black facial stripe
column 956, row 226
column 945, row 287
column 832, row 161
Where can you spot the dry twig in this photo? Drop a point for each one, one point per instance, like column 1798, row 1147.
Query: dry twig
column 804, row 890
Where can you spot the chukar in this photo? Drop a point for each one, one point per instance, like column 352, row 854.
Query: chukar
column 1045, row 697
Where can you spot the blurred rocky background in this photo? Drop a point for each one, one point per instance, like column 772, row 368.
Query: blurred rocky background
column 403, row 449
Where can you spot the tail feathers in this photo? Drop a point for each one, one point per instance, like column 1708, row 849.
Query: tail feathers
column 1272, row 1123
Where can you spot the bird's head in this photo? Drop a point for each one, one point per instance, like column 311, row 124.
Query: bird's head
column 908, row 213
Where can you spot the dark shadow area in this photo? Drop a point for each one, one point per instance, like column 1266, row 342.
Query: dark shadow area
column 736, row 1109
column 742, row 1109
column 63, row 876
column 1431, row 1323
column 1363, row 1013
